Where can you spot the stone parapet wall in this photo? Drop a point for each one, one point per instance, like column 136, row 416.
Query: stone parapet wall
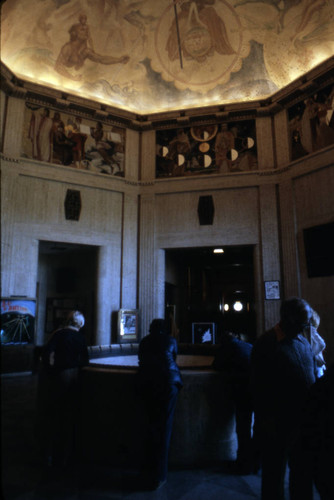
column 113, row 424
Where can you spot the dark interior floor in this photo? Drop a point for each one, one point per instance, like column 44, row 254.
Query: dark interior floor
column 23, row 478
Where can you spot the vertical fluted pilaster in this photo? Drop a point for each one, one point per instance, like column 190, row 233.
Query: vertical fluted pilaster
column 148, row 147
column 129, row 256
column 290, row 268
column 14, row 127
column 264, row 141
column 282, row 138
column 270, row 248
column 147, row 302
column 132, row 155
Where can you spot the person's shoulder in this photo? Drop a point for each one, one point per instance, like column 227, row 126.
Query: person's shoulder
column 144, row 340
column 265, row 338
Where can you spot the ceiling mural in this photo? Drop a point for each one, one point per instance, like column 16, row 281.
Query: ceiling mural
column 151, row 56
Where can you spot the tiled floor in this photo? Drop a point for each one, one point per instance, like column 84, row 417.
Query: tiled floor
column 24, row 479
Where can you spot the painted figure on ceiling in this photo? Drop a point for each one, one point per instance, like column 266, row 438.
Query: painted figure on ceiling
column 312, row 7
column 74, row 53
column 202, row 32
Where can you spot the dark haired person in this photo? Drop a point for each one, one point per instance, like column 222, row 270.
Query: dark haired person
column 159, row 383
column 283, row 371
column 233, row 359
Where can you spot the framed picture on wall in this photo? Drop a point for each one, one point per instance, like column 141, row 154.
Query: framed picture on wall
column 127, row 326
column 272, row 290
column 18, row 318
column 203, row 333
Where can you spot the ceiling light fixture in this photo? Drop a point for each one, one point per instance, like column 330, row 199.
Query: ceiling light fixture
column 237, row 306
column 218, row 250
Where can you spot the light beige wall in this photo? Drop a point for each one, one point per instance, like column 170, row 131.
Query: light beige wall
column 314, row 197
column 236, row 222
column 33, row 209
column 3, row 100
column 132, row 221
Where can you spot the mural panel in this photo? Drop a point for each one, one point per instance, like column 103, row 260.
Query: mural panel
column 311, row 123
column 151, row 55
column 17, row 321
column 207, row 149
column 64, row 139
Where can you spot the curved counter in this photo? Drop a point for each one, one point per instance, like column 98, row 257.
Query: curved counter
column 113, row 420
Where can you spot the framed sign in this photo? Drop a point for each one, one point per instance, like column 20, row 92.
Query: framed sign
column 203, row 333
column 18, row 320
column 127, row 326
column 272, row 290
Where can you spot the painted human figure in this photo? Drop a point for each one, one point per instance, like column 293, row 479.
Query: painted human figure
column 223, row 144
column 40, row 134
column 75, row 52
column 203, row 32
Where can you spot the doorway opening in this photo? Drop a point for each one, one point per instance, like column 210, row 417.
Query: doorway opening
column 67, row 275
column 203, row 286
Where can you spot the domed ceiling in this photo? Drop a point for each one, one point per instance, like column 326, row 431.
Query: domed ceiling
column 158, row 55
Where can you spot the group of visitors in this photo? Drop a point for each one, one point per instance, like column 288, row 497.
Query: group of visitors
column 283, row 400
column 284, row 403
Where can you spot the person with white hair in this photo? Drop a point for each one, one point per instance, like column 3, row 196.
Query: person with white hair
column 58, row 392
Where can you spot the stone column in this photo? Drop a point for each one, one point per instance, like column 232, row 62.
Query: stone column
column 14, row 127
column 129, row 257
column 282, row 138
column 290, row 268
column 148, row 156
column 159, row 291
column 3, row 103
column 132, row 155
column 108, row 291
column 147, row 300
column 270, row 249
column 264, row 141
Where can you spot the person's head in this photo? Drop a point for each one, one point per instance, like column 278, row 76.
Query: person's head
column 296, row 315
column 83, row 18
column 315, row 320
column 75, row 319
column 158, row 326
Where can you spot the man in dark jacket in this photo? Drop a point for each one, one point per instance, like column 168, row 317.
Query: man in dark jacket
column 318, row 432
column 283, row 370
column 233, row 360
column 159, row 383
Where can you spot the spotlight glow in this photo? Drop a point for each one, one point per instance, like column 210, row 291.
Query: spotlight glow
column 237, row 306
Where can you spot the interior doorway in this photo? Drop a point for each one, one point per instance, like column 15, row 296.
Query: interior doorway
column 67, row 276
column 202, row 285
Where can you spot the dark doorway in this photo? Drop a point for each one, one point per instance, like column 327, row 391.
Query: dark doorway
column 203, row 286
column 66, row 281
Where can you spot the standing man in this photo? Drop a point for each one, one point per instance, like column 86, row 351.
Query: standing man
column 58, row 391
column 233, row 359
column 283, row 370
column 159, row 383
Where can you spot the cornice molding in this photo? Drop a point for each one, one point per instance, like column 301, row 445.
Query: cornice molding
column 297, row 168
column 303, row 87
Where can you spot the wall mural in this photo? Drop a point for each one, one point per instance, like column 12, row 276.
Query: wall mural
column 204, row 149
column 150, row 56
column 311, row 123
column 64, row 139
